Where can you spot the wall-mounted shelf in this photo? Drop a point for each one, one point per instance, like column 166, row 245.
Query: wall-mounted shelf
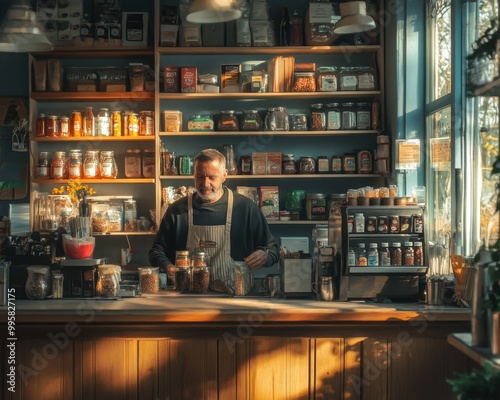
column 274, row 133
column 92, row 96
column 94, row 139
column 95, row 181
column 98, row 52
column 295, row 176
column 263, row 96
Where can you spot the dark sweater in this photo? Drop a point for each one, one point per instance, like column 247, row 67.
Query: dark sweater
column 249, row 229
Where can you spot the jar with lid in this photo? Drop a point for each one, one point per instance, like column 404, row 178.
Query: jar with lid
column 304, row 81
column 75, row 124
column 200, row 274
column 108, row 280
column 396, row 254
column 371, row 224
column 75, row 164
column 246, row 165
column 103, row 122
column 108, row 167
column 417, row 223
column 116, row 123
column 316, row 206
column 307, row 165
column 384, row 255
column 336, row 165
column 363, row 116
column 359, row 223
column 146, row 123
column 91, row 164
column 228, row 121
column 364, row 162
column 40, row 125
column 393, row 223
column 351, row 257
column 366, row 78
column 318, row 117
column 334, row 199
column 37, row 285
column 333, row 116
column 58, row 165
column 348, row 77
column 408, row 255
column 328, row 79
column 350, row 223
column 349, row 163
column 348, row 116
column 64, row 126
column 251, row 121
column 148, row 163
column 361, row 256
column 230, row 155
column 288, row 165
column 298, row 122
column 42, row 167
column 323, row 165
column 52, row 126
column 373, row 256
column 418, row 253
column 130, row 215
column 200, row 123
column 182, row 275
column 277, row 119
column 149, row 280
column 133, row 163
column 88, row 122
column 132, row 124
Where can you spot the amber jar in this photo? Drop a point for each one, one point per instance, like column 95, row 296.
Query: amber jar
column 40, row 126
column 318, row 117
column 408, row 255
column 148, row 163
column 288, row 165
column 304, row 81
column 396, row 254
column 349, row 164
column 116, row 123
column 133, row 124
column 419, row 253
column 75, row 124
column 58, row 165
column 307, row 165
column 146, row 123
column 52, row 126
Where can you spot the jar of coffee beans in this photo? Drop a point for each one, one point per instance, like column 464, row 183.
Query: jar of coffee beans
column 149, row 280
column 37, row 285
column 108, row 280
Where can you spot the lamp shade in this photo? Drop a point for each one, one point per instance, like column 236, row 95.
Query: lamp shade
column 354, row 19
column 212, row 11
column 20, row 30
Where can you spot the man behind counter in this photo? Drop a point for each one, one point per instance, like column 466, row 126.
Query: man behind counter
column 226, row 225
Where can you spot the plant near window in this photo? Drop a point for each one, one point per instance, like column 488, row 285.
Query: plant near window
column 483, row 384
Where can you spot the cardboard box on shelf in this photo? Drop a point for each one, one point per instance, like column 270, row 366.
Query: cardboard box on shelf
column 269, row 202
column 230, row 78
column 134, row 28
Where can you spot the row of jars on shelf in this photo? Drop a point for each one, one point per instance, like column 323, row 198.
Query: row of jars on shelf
column 104, row 123
column 95, row 164
column 332, row 79
column 384, row 256
column 329, row 116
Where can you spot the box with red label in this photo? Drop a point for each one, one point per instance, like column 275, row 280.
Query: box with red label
column 170, row 79
column 269, row 202
column 189, row 79
column 259, row 163
column 273, row 163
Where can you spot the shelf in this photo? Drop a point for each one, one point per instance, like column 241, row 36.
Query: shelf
column 283, row 50
column 302, row 222
column 295, row 176
column 119, row 181
column 273, row 133
column 92, row 96
column 94, row 139
column 101, row 234
column 97, row 52
column 489, row 89
column 388, row 270
column 257, row 95
column 386, row 208
column 480, row 355
column 383, row 235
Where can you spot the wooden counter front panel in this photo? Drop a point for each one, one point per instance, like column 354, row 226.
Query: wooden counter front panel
column 251, row 369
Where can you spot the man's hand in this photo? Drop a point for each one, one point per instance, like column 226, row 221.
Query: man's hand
column 257, row 259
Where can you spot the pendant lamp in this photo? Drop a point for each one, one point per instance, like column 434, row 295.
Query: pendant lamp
column 212, row 11
column 353, row 19
column 19, row 31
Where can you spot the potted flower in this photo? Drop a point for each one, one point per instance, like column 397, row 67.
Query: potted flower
column 78, row 194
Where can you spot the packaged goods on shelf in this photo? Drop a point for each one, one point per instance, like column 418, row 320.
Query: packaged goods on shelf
column 200, row 123
column 273, row 163
column 135, row 28
column 171, row 79
column 112, row 79
column 269, row 202
column 320, row 21
column 230, row 78
column 137, row 74
column 262, row 33
column 169, row 27
column 172, row 120
column 189, row 35
column 188, row 79
column 249, row 191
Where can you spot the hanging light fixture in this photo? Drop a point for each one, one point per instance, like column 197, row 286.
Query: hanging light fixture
column 353, row 19
column 20, row 33
column 212, row 11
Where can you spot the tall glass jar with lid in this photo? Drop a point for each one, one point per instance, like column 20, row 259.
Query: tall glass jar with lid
column 58, row 165
column 108, row 167
column 133, row 163
column 318, row 117
column 91, row 164
column 42, row 168
column 103, row 123
column 75, row 164
column 277, row 119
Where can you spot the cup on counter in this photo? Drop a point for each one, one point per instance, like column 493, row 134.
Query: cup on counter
column 434, row 292
column 272, row 284
column 326, row 289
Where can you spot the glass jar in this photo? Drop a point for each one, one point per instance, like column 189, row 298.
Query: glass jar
column 228, row 121
column 366, row 78
column 298, row 122
column 38, row 283
column 323, row 165
column 349, row 163
column 363, row 116
column 396, row 254
column 75, row 124
column 40, row 129
column 361, row 256
column 318, row 117
column 316, row 207
column 251, row 121
column 88, row 126
column 148, row 163
column 384, row 255
column 373, row 255
column 133, row 124
column 230, row 155
column 336, row 164
column 200, row 123
column 75, row 164
column 130, row 215
column 116, row 123
column 246, row 165
column 64, row 126
column 182, row 279
column 288, row 165
column 277, row 119
column 182, row 258
column 304, row 81
column 103, row 122
column 328, row 79
column 408, row 255
column 307, row 165
column 348, row 116
column 58, row 165
column 146, row 123
column 108, row 281
column 348, row 78
column 149, row 280
column 91, row 164
column 133, row 163
column 52, row 126
column 42, row 167
column 333, row 116
column 418, row 253
column 200, row 281
column 359, row 223
column 108, row 167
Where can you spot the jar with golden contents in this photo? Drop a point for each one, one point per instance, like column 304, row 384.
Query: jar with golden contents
column 108, row 167
column 58, row 165
column 75, row 164
column 52, row 126
column 146, row 123
column 116, row 123
column 64, row 126
column 133, row 124
column 304, row 81
column 318, row 117
column 40, row 126
column 75, row 124
column 91, row 164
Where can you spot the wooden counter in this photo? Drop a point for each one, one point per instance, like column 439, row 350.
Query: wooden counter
column 212, row 347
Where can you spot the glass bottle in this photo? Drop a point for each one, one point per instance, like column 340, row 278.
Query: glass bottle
column 408, row 255
column 361, row 257
column 384, row 255
column 284, row 28
column 52, row 126
column 146, row 123
column 231, row 165
column 88, row 122
column 75, row 124
column 75, row 164
column 108, row 167
column 103, row 123
column 91, row 164
column 40, row 126
column 351, row 258
column 37, row 285
column 396, row 254
column 58, row 165
column 296, row 30
column 373, row 255
column 116, row 123
column 64, row 126
column 419, row 253
column 42, row 168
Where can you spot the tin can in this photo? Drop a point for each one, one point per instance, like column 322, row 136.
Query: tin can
column 75, row 128
column 133, row 124
column 116, row 123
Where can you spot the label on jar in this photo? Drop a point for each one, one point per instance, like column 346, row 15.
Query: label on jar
column 74, row 171
column 42, row 172
column 366, row 81
column 382, row 224
column 371, row 225
column 333, row 120
column 349, row 82
column 336, row 165
column 350, row 223
column 404, row 224
column 349, row 164
column 359, row 223
column 394, row 224
column 107, row 169
column 328, row 83
column 323, row 165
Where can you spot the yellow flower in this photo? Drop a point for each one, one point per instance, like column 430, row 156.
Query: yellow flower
column 75, row 190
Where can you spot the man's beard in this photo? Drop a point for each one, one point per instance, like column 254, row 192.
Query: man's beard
column 211, row 195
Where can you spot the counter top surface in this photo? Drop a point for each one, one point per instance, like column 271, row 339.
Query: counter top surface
column 171, row 308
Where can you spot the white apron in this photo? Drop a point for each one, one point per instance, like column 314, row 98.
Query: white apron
column 215, row 240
